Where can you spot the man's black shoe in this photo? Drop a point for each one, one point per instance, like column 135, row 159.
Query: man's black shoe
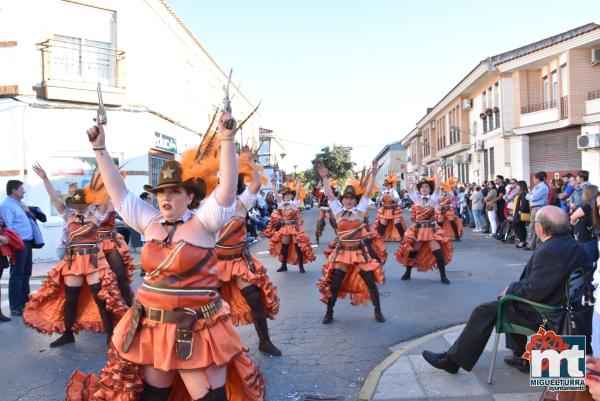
column 517, row 362
column 16, row 312
column 440, row 361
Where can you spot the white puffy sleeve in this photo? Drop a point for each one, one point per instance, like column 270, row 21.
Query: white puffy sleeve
column 136, row 213
column 247, row 198
column 335, row 206
column 396, row 195
column 363, row 204
column 212, row 215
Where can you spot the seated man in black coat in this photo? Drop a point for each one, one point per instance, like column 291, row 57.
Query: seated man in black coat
column 543, row 280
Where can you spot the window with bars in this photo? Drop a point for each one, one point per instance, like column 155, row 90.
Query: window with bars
column 492, row 163
column 485, row 164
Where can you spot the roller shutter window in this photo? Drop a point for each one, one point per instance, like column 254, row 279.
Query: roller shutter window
column 555, row 150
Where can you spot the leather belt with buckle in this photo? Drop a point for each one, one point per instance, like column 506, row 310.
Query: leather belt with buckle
column 157, row 315
column 230, row 257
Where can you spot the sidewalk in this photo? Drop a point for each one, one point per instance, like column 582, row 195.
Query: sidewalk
column 406, row 376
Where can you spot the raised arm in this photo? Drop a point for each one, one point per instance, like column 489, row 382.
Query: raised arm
column 298, row 189
column 56, row 201
column 323, row 172
column 371, row 183
column 108, row 170
column 225, row 192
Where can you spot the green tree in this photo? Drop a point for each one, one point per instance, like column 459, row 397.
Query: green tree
column 337, row 159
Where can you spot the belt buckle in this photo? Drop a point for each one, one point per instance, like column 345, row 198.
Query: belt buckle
column 161, row 313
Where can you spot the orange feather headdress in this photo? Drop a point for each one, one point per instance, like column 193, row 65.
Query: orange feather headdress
column 95, row 191
column 449, row 185
column 390, row 180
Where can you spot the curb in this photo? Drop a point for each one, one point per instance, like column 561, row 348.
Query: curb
column 368, row 389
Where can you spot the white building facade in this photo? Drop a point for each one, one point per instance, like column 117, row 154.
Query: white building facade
column 160, row 88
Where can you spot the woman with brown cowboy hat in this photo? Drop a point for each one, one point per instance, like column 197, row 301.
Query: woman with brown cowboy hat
column 245, row 285
column 178, row 339
column 450, row 221
column 81, row 292
column 389, row 222
column 287, row 239
column 425, row 244
column 350, row 268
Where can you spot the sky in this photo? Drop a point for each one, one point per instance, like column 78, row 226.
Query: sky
column 362, row 73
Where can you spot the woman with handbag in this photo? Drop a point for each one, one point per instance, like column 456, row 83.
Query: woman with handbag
column 583, row 227
column 521, row 214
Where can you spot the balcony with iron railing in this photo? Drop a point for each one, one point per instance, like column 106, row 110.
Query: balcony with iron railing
column 540, row 113
column 592, row 105
column 71, row 70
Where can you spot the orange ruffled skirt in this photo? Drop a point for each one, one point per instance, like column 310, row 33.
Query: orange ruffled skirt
column 298, row 237
column 448, row 217
column 391, row 233
column 425, row 260
column 121, row 380
column 228, row 271
column 108, row 245
column 353, row 283
column 45, row 309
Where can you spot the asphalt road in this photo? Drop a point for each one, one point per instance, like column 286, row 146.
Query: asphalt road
column 326, row 360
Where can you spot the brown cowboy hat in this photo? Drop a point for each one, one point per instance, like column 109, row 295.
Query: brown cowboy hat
column 427, row 181
column 350, row 192
column 170, row 176
column 77, row 200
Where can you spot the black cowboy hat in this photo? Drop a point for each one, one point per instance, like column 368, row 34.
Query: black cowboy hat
column 77, row 200
column 170, row 176
column 350, row 191
column 427, row 181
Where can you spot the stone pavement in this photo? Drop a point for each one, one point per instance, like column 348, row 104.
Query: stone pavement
column 406, row 376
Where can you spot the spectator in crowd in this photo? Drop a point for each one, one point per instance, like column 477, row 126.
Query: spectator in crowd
column 462, row 204
column 477, row 208
column 583, row 226
column 582, row 182
column 271, row 202
column 14, row 213
column 570, row 183
column 262, row 203
column 10, row 243
column 512, row 190
column 472, row 187
column 556, row 189
column 500, row 203
column 491, row 208
column 543, row 280
column 260, row 222
column 596, row 282
column 521, row 214
column 537, row 199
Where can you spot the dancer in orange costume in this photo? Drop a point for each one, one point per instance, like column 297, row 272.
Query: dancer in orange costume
column 446, row 217
column 389, row 222
column 178, row 339
column 81, row 292
column 425, row 245
column 111, row 242
column 324, row 212
column 350, row 268
column 287, row 239
column 245, row 284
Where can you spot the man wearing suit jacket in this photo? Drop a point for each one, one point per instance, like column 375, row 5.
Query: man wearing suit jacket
column 543, row 280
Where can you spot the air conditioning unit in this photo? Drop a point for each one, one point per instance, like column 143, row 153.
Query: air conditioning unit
column 595, row 56
column 433, row 124
column 588, row 141
column 479, row 145
column 467, row 104
column 458, row 159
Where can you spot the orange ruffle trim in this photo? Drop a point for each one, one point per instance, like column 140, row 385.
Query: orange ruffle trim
column 391, row 233
column 228, row 271
column 109, row 245
column 425, row 259
column 353, row 283
column 298, row 237
column 121, row 380
column 45, row 309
